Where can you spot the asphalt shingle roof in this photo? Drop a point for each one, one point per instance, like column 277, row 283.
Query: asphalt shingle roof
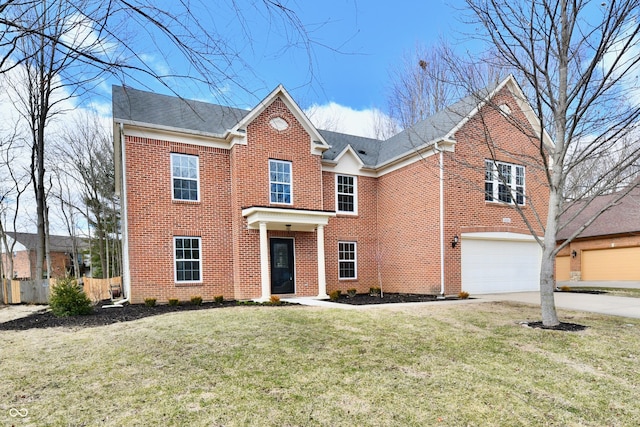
column 56, row 243
column 142, row 107
column 621, row 218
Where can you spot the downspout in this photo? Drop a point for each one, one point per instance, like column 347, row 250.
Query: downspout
column 441, row 179
column 126, row 279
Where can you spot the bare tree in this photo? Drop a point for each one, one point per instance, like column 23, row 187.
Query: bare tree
column 62, row 49
column 578, row 62
column 86, row 151
column 15, row 182
column 420, row 85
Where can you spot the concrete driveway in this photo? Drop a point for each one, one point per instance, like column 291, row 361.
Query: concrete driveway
column 603, row 304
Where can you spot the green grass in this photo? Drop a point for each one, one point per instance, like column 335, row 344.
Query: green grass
column 467, row 364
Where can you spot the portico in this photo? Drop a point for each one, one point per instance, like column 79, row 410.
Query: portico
column 265, row 219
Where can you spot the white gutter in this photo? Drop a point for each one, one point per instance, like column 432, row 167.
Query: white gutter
column 441, row 178
column 126, row 277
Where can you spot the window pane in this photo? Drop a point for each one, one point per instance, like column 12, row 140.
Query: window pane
column 280, row 181
column 187, row 259
column 185, row 176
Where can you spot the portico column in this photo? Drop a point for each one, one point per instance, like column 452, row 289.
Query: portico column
column 322, row 279
column 264, row 263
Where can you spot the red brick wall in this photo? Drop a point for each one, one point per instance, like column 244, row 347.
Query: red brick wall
column 465, row 208
column 361, row 228
column 154, row 219
column 397, row 226
column 250, row 187
column 408, row 228
column 23, row 261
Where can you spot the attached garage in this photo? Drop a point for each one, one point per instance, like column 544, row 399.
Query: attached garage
column 494, row 262
column 611, row 264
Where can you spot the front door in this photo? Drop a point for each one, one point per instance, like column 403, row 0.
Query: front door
column 282, row 266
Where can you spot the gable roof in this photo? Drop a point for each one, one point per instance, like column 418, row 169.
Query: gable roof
column 621, row 218
column 133, row 106
column 56, row 243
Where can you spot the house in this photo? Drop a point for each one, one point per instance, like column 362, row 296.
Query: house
column 251, row 203
column 24, row 255
column 609, row 248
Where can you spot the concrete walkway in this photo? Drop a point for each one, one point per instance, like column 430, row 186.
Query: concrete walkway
column 629, row 284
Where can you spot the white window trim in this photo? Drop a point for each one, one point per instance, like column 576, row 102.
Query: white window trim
column 175, row 260
column 355, row 195
column 276, row 182
column 173, row 155
column 355, row 260
column 513, row 185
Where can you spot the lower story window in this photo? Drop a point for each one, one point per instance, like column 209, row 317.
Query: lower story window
column 187, row 259
column 347, row 262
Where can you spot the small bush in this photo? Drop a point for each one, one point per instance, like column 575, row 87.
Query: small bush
column 196, row 300
column 565, row 288
column 218, row 299
column 463, row 294
column 374, row 291
column 352, row 292
column 150, row 302
column 68, row 299
column 335, row 295
column 174, row 301
column 274, row 300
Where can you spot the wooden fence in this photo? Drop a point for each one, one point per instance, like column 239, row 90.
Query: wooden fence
column 37, row 291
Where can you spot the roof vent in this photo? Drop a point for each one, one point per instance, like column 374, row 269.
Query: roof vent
column 362, row 152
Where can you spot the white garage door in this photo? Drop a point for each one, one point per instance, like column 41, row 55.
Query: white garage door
column 500, row 262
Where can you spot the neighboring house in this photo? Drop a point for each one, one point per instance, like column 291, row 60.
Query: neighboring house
column 246, row 204
column 609, row 248
column 24, row 255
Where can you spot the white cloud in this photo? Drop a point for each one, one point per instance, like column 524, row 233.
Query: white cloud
column 369, row 123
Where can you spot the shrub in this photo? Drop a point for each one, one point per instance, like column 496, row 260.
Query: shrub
column 565, row 288
column 463, row 294
column 274, row 300
column 196, row 300
column 374, row 291
column 218, row 299
column 174, row 301
column 150, row 302
column 335, row 295
column 352, row 292
column 68, row 299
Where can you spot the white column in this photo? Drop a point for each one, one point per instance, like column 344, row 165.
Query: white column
column 264, row 263
column 322, row 278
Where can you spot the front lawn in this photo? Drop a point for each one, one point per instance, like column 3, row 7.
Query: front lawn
column 432, row 365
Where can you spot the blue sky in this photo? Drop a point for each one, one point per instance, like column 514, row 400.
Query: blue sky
column 356, row 44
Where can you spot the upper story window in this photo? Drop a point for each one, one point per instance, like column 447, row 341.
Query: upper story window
column 185, row 177
column 503, row 182
column 347, row 194
column 280, row 182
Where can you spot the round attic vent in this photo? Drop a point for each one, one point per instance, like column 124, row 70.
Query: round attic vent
column 505, row 109
column 278, row 123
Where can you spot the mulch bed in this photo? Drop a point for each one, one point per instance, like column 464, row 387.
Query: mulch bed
column 581, row 291
column 106, row 316
column 563, row 326
column 388, row 298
